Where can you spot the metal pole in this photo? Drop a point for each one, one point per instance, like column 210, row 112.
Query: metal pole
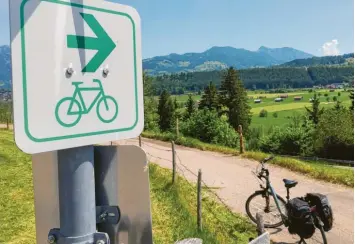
column 177, row 127
column 241, row 143
column 77, row 191
column 77, row 205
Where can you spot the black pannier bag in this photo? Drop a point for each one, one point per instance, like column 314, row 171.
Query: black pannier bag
column 300, row 218
column 323, row 207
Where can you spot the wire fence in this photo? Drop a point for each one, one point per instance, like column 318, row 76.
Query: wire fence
column 182, row 169
column 221, row 200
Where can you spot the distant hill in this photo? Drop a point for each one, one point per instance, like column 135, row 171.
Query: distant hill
column 218, row 58
column 254, row 68
column 345, row 59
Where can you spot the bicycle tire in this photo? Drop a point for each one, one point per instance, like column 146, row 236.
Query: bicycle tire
column 58, row 118
column 115, row 108
column 247, row 208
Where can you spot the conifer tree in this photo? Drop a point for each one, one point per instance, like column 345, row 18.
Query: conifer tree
column 166, row 110
column 209, row 98
column 234, row 97
column 190, row 106
column 315, row 112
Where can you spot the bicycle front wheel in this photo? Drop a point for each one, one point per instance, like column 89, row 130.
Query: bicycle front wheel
column 107, row 109
column 257, row 203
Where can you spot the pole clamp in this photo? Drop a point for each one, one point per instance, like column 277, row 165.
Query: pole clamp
column 55, row 237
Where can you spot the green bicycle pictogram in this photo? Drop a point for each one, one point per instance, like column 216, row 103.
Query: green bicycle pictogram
column 75, row 108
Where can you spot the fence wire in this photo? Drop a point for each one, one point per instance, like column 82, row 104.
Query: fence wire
column 157, row 148
column 207, row 187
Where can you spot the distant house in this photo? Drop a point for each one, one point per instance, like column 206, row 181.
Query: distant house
column 298, row 98
column 335, row 86
column 284, row 96
column 279, row 99
column 257, row 101
column 339, row 86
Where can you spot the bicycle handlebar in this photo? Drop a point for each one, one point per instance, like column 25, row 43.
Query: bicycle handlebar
column 267, row 159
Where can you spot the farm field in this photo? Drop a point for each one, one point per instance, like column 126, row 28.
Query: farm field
column 285, row 109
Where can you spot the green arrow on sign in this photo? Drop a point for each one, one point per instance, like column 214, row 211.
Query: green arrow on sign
column 102, row 43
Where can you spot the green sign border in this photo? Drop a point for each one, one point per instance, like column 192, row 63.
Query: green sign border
column 24, row 79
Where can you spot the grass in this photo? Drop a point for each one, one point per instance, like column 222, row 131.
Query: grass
column 317, row 170
column 280, row 107
column 283, row 118
column 189, row 142
column 174, row 211
column 173, row 206
column 287, row 108
column 16, row 202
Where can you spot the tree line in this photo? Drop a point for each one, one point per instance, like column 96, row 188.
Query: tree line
column 314, row 61
column 215, row 119
column 256, row 78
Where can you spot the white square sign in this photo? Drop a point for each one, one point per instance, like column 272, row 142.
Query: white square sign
column 76, row 73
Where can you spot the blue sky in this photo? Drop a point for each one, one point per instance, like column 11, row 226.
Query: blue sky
column 318, row 27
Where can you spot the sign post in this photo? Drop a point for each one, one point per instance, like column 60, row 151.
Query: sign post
column 77, row 208
column 77, row 81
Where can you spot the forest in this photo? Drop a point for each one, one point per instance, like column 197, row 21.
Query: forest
column 257, row 78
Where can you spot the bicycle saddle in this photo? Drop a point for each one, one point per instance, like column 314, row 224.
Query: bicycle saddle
column 290, row 183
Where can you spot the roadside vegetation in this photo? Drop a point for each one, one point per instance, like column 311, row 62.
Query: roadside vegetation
column 173, row 206
column 314, row 169
column 319, row 129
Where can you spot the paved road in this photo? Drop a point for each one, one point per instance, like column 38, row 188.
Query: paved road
column 235, row 182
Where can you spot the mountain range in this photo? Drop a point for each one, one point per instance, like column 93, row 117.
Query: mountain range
column 217, row 58
column 5, row 67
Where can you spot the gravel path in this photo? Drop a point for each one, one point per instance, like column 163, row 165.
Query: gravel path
column 234, row 181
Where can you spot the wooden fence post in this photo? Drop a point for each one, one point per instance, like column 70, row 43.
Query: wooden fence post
column 260, row 224
column 174, row 161
column 7, row 123
column 140, row 140
column 241, row 146
column 177, row 127
column 199, row 201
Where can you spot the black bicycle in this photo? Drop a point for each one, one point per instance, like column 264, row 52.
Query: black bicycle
column 275, row 217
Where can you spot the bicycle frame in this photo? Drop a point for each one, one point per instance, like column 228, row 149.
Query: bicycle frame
column 269, row 189
column 277, row 204
column 85, row 109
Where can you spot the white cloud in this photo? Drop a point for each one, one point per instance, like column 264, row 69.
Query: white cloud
column 331, row 48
